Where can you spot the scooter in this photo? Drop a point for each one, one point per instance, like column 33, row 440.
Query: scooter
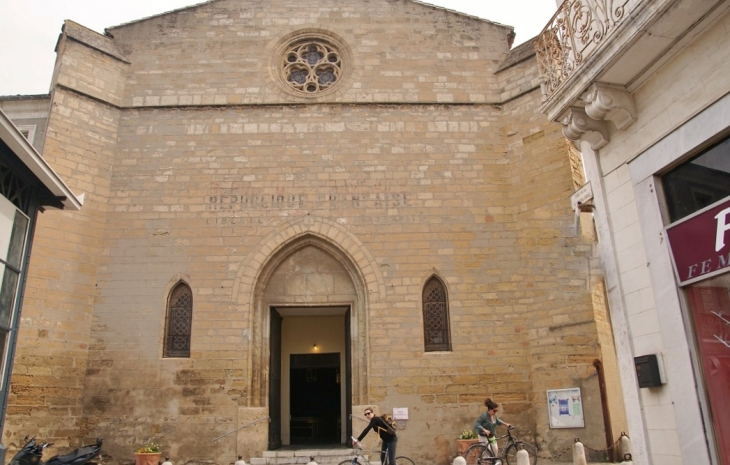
column 32, row 452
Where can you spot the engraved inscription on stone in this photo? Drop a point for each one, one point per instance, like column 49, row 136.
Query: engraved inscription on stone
column 233, row 201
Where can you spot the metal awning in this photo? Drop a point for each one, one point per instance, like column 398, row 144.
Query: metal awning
column 28, row 155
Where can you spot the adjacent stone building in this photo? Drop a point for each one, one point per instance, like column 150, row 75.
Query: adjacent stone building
column 642, row 87
column 297, row 209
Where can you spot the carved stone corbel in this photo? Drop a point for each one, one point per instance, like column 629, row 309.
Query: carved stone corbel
column 578, row 125
column 612, row 103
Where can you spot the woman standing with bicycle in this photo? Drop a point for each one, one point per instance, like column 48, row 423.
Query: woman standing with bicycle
column 386, row 433
column 486, row 426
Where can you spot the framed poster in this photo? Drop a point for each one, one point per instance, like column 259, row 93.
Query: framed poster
column 565, row 408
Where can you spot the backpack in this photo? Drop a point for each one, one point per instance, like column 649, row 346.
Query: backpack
column 392, row 426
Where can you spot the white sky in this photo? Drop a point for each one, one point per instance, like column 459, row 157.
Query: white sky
column 29, row 28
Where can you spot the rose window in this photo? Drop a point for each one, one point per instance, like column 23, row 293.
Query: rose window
column 311, row 66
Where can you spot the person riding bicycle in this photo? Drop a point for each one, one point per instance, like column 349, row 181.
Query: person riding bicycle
column 486, row 426
column 386, row 433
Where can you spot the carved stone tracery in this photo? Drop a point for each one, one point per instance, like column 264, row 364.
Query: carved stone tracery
column 311, row 66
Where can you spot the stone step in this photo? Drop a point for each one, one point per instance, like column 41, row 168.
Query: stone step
column 303, row 456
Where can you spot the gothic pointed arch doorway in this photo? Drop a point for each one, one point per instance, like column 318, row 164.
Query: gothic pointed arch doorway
column 309, row 287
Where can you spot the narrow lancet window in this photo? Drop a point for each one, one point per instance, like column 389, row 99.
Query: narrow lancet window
column 179, row 321
column 436, row 334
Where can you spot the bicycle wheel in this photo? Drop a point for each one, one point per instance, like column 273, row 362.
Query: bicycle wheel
column 510, row 454
column 360, row 461
column 402, row 460
column 475, row 452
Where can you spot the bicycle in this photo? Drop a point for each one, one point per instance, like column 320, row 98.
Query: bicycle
column 361, row 459
column 480, row 454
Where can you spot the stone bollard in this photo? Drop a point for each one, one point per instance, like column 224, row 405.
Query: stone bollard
column 311, row 461
column 240, row 461
column 625, row 448
column 523, row 458
column 459, row 460
column 579, row 454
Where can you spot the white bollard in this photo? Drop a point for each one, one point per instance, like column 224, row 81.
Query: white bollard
column 240, row 461
column 579, row 454
column 625, row 448
column 523, row 458
column 458, row 460
column 311, row 461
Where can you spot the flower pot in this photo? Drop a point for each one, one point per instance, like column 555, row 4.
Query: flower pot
column 462, row 445
column 147, row 459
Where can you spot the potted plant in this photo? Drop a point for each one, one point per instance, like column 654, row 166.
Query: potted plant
column 466, row 439
column 148, row 455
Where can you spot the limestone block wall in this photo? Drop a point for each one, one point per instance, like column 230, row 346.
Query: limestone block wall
column 50, row 365
column 89, row 64
column 554, row 286
column 418, row 204
column 222, row 52
column 230, row 177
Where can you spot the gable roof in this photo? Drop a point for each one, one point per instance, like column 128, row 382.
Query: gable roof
column 197, row 5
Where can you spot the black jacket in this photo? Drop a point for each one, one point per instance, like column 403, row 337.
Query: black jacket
column 384, row 430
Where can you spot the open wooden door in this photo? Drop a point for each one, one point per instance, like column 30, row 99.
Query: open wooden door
column 275, row 380
column 348, row 378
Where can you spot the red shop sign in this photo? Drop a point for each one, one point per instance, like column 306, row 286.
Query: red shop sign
column 700, row 244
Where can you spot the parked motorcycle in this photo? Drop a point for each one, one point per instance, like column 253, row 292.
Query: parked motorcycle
column 32, row 452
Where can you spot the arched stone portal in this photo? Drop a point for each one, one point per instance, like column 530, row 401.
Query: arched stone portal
column 255, row 275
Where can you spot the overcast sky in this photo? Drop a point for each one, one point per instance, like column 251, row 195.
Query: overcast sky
column 29, row 28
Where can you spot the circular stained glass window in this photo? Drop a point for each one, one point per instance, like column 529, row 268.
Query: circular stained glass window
column 310, row 66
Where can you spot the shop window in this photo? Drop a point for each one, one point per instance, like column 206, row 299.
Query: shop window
column 436, row 333
column 699, row 182
column 179, row 321
column 709, row 303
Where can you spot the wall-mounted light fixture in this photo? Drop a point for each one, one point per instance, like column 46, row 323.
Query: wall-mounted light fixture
column 314, row 348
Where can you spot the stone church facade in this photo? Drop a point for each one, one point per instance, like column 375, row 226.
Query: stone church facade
column 278, row 193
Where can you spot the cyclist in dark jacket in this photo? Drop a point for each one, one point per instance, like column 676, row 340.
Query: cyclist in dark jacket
column 386, row 433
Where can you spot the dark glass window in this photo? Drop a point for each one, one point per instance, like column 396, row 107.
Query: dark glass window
column 436, row 334
column 179, row 321
column 11, row 262
column 700, row 182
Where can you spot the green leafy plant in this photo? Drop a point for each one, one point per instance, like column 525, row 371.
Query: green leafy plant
column 468, row 434
column 150, row 448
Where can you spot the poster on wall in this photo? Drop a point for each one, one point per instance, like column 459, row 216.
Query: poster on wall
column 565, row 408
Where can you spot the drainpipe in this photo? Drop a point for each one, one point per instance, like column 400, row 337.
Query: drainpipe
column 604, row 406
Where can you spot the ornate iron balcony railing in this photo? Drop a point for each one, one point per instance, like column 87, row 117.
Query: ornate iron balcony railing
column 576, row 30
